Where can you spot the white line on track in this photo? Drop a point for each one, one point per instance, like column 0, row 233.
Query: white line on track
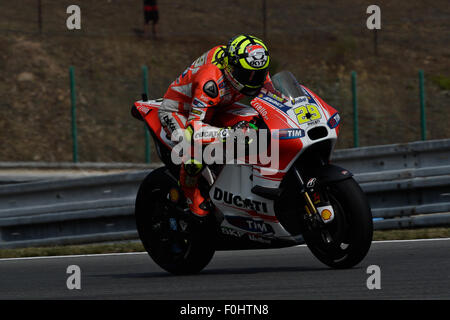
column 411, row 240
column 135, row 253
column 74, row 256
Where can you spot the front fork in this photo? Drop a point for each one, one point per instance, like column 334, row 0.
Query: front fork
column 319, row 215
column 310, row 207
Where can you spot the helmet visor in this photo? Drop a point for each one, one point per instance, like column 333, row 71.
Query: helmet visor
column 249, row 78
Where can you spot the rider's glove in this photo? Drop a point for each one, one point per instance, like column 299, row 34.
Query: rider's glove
column 224, row 133
column 242, row 130
column 242, row 127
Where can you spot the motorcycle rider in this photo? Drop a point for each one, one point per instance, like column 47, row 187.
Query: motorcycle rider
column 220, row 77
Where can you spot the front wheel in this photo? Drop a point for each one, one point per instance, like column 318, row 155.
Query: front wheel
column 350, row 233
column 173, row 238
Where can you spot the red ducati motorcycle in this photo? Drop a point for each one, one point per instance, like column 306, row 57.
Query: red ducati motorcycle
column 305, row 199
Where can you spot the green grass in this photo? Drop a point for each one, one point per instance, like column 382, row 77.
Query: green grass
column 406, row 234
column 441, row 81
column 136, row 246
column 72, row 250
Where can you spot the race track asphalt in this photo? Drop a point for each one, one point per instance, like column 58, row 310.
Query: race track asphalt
column 417, row 269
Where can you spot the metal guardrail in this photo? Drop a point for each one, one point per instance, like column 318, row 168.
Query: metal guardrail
column 408, row 185
column 419, row 154
column 78, row 210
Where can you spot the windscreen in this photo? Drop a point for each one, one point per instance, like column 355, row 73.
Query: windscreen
column 286, row 83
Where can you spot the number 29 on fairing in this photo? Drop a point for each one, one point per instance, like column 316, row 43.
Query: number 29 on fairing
column 307, row 113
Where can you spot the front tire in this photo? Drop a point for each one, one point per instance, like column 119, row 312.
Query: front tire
column 174, row 239
column 351, row 230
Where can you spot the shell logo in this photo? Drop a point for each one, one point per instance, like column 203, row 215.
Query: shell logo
column 326, row 214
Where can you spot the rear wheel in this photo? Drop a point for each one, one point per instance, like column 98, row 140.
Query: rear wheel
column 177, row 241
column 345, row 241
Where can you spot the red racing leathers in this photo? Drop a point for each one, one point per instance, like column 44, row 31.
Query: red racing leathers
column 191, row 101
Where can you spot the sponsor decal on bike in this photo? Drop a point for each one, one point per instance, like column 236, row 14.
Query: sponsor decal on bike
column 232, row 232
column 316, row 198
column 284, row 134
column 257, row 238
column 239, row 234
column 301, row 100
column 333, row 122
column 312, row 123
column 271, row 96
column 311, row 183
column 250, row 225
column 262, row 111
column 236, row 200
column 308, row 96
column 326, row 213
column 275, row 103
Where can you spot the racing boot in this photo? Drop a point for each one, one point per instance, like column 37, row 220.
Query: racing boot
column 189, row 174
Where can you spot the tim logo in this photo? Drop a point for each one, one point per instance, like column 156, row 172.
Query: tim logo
column 250, row 225
column 284, row 134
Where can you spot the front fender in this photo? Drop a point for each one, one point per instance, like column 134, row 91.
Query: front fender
column 332, row 173
column 327, row 173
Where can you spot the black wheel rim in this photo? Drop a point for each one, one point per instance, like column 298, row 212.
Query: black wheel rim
column 168, row 233
column 338, row 231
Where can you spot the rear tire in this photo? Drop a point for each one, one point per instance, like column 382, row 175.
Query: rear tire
column 174, row 239
column 351, row 230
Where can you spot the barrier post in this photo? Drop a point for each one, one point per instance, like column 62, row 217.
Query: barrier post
column 264, row 18
column 355, row 112
column 147, row 134
column 423, row 120
column 39, row 5
column 74, row 115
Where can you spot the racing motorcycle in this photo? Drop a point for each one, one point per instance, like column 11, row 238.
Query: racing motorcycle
column 306, row 200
